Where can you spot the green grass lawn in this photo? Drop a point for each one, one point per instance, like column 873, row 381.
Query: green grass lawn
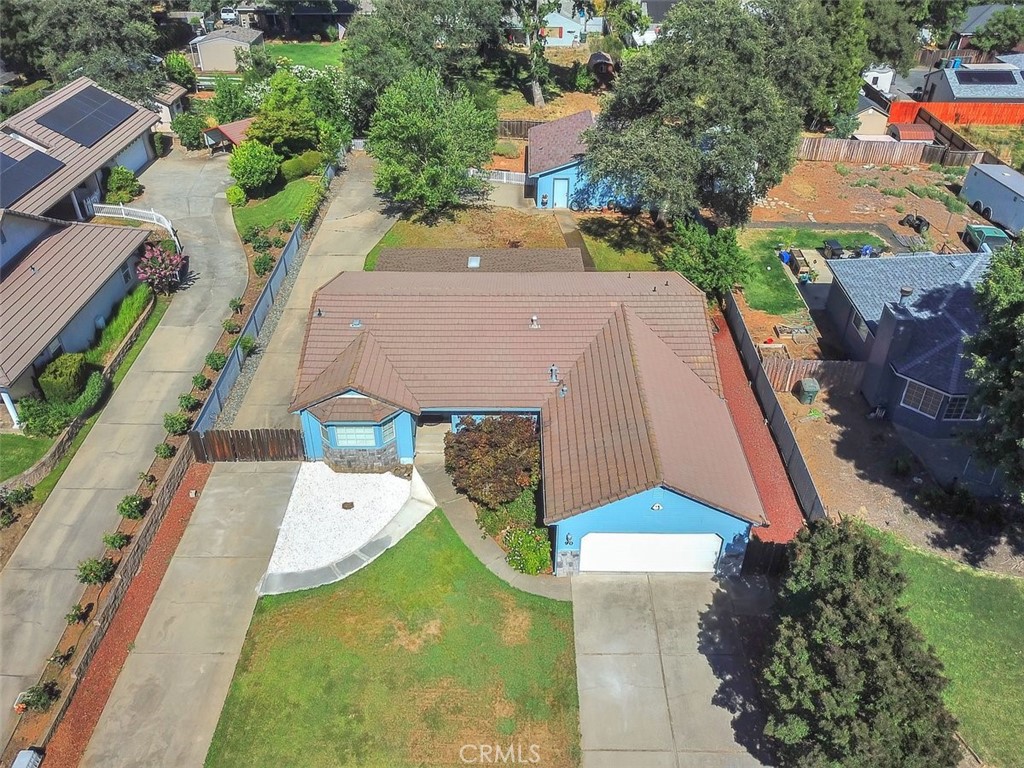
column 281, row 205
column 976, row 622
column 402, row 664
column 768, row 288
column 19, row 452
column 315, row 55
column 396, row 237
column 619, row 244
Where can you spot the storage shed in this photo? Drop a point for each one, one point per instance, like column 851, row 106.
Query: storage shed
column 912, row 132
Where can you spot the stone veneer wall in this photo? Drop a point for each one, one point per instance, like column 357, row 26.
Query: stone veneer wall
column 362, row 459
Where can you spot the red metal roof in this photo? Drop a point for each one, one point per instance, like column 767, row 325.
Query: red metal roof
column 912, row 132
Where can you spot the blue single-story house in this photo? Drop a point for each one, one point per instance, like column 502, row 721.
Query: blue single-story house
column 554, row 159
column 562, row 26
column 641, row 465
column 908, row 317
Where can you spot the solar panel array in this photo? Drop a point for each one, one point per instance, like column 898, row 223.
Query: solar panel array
column 87, row 116
column 19, row 176
column 984, row 77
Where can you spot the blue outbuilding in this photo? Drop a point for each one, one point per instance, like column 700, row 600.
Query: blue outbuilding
column 554, row 159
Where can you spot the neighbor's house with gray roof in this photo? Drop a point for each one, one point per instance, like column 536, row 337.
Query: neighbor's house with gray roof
column 999, row 83
column 216, row 51
column 977, row 16
column 908, row 317
column 641, row 465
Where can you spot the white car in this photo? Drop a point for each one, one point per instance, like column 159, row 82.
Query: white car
column 229, row 15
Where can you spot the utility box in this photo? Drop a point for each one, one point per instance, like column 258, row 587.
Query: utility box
column 807, row 390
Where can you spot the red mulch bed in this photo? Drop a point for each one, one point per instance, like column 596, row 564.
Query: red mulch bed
column 68, row 744
column 784, row 516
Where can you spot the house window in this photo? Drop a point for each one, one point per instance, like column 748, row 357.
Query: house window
column 354, row 437
column 925, row 400
column 874, row 80
column 860, row 326
column 324, row 436
column 126, row 273
column 960, row 408
column 388, row 431
column 553, row 32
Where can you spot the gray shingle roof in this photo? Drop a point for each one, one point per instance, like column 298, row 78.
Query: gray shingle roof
column 934, row 320
column 557, row 143
column 1014, row 59
column 1014, row 90
column 238, row 34
column 978, row 16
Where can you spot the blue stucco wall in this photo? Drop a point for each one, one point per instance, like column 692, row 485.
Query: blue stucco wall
column 405, row 435
column 678, row 514
column 571, row 30
column 581, row 193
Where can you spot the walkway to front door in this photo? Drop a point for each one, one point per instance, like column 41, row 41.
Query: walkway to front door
column 662, row 678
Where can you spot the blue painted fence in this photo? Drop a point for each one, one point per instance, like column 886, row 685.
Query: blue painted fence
column 226, row 380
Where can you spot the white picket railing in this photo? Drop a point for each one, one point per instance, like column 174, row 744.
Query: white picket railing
column 123, row 212
column 501, row 177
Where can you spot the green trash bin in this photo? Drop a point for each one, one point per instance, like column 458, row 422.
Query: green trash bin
column 807, row 390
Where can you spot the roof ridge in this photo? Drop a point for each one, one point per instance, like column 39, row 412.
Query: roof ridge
column 302, row 399
column 629, row 317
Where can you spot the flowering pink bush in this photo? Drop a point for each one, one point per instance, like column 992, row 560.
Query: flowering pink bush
column 160, row 268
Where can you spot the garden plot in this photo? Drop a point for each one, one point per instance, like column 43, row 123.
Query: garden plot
column 317, row 530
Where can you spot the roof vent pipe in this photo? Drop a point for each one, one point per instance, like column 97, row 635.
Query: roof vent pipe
column 553, row 373
column 357, row 323
column 535, row 322
column 563, row 391
column 905, row 292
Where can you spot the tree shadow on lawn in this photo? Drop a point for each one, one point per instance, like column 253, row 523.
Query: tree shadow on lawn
column 733, row 633
column 627, row 233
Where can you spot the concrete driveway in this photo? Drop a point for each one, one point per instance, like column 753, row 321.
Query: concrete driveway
column 39, row 585
column 663, row 681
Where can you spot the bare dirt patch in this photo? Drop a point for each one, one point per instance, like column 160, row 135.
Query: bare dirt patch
column 515, row 624
column 763, row 327
column 515, row 107
column 415, row 640
column 853, row 461
column 516, row 164
column 818, row 192
column 480, row 228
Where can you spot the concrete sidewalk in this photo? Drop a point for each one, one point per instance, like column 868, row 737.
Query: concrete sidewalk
column 38, row 585
column 352, row 225
column 167, row 700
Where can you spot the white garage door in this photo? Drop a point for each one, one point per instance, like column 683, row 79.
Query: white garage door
column 134, row 155
column 650, row 552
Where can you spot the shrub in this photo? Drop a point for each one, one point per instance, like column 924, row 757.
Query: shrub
column 128, row 312
column 147, row 479
column 284, row 225
column 529, row 550
column 247, row 345
column 331, row 32
column 77, row 615
column 200, row 382
column 159, row 144
column 131, row 507
column 62, row 379
column 493, row 460
column 277, row 241
column 583, row 79
column 261, row 242
column 311, row 205
column 40, row 697
column 262, row 264
column 95, row 389
column 231, row 325
column 163, row 450
column 251, row 233
column 189, row 126
column 506, row 149
column 179, row 69
column 236, row 196
column 188, row 402
column 176, row 423
column 521, row 512
column 122, row 186
column 17, row 497
column 894, row 192
column 235, row 305
column 842, row 170
column 216, row 360
column 160, row 267
column 96, row 571
column 43, row 419
column 117, row 540
column 303, row 165
column 253, row 165
column 8, row 517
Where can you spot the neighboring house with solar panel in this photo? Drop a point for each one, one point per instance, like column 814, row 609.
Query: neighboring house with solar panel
column 908, row 317
column 641, row 465
column 59, row 283
column 55, row 153
column 994, row 83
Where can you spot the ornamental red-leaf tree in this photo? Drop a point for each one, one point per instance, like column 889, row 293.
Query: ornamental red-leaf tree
column 160, row 268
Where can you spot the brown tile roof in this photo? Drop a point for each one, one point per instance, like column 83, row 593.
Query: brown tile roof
column 352, row 409
column 170, row 93
column 491, row 260
column 79, row 162
column 52, row 281
column 642, row 406
column 557, row 143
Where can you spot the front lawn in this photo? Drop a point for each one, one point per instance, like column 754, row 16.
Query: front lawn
column 402, row 664
column 975, row 621
column 315, row 55
column 283, row 205
column 473, row 228
column 768, row 288
column 621, row 244
column 19, row 452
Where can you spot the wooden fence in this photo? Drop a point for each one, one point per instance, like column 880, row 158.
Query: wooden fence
column 853, row 151
column 840, row 375
column 959, row 113
column 959, row 151
column 929, row 58
column 247, row 445
column 516, row 129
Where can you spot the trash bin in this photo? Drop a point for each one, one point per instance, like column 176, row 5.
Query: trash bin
column 807, row 390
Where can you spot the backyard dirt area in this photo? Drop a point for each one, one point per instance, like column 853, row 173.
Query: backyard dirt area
column 837, row 193
column 514, row 106
column 863, row 470
column 517, row 163
column 763, row 326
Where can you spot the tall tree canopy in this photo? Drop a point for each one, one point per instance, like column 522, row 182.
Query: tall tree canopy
column 286, row 122
column 998, row 370
column 403, row 35
column 109, row 41
column 848, row 679
column 21, row 36
column 696, row 119
column 1002, row 32
column 425, row 138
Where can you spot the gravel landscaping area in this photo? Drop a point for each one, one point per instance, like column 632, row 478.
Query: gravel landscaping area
column 317, row 530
